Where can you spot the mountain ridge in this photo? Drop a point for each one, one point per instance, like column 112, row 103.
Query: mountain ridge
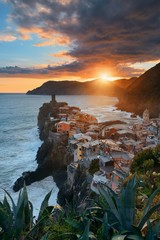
column 66, row 87
column 134, row 94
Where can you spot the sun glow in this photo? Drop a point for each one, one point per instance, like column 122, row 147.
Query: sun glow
column 105, row 77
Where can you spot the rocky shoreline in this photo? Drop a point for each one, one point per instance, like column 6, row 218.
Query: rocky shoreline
column 52, row 157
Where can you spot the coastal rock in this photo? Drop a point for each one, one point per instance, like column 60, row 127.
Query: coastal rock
column 28, row 178
column 52, row 161
column 52, row 156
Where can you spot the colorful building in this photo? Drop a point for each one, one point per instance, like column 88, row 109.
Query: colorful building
column 63, row 127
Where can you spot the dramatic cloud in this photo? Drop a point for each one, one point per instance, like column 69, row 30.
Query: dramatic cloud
column 102, row 34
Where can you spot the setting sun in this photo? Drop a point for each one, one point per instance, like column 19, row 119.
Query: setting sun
column 106, row 77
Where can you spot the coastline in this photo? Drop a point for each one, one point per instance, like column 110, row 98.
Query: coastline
column 47, row 158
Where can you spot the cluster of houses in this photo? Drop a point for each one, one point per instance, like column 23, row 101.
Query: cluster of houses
column 114, row 162
column 72, row 120
column 112, row 146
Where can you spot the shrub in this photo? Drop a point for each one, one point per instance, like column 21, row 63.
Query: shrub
column 94, row 166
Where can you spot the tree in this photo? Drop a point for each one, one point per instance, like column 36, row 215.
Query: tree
column 148, row 164
column 156, row 153
column 140, row 158
column 94, row 166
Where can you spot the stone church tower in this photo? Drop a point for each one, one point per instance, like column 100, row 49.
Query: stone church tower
column 53, row 99
column 146, row 116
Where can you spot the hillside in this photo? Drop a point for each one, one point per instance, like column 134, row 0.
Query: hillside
column 143, row 93
column 125, row 83
column 148, row 82
column 95, row 87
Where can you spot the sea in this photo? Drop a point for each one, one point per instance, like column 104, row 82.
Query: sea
column 19, row 137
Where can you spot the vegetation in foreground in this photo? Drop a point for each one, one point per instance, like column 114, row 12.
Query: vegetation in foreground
column 133, row 214
column 111, row 218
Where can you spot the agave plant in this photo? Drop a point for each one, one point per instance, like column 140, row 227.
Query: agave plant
column 120, row 213
column 16, row 220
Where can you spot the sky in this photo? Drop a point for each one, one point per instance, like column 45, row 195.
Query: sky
column 76, row 40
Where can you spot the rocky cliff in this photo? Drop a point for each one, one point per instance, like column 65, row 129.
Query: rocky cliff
column 52, row 156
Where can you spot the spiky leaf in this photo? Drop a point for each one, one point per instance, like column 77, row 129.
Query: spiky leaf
column 146, row 217
column 105, row 228
column 44, row 205
column 150, row 200
column 128, row 204
column 85, row 235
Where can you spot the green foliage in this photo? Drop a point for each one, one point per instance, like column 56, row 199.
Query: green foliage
column 148, row 164
column 121, row 212
column 122, row 209
column 156, row 153
column 70, row 226
column 146, row 160
column 153, row 231
column 60, row 230
column 113, row 217
column 149, row 181
column 140, row 158
column 94, row 166
column 16, row 220
column 44, row 206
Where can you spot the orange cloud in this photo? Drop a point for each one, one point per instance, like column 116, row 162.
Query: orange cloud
column 54, row 37
column 7, row 38
column 61, row 54
column 26, row 33
column 57, row 40
column 64, row 55
column 64, row 2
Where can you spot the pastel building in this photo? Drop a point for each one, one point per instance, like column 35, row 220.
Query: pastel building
column 63, row 127
column 85, row 118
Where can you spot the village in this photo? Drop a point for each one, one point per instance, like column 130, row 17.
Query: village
column 108, row 147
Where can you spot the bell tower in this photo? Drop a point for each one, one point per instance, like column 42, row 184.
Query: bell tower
column 146, row 116
column 53, row 98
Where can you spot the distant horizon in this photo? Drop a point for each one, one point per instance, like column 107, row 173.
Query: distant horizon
column 63, row 80
column 55, row 81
